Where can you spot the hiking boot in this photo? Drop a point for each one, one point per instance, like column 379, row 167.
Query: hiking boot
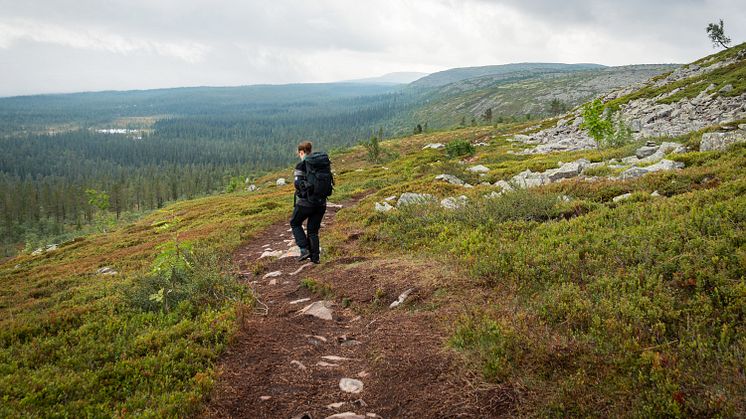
column 315, row 260
column 304, row 254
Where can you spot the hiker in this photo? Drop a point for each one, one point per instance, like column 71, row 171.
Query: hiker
column 313, row 184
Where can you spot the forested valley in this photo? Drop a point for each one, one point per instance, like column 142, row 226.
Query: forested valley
column 72, row 163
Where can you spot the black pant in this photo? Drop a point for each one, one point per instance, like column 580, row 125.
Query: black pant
column 314, row 216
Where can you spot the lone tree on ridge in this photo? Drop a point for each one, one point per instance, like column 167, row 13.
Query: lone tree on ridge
column 717, row 35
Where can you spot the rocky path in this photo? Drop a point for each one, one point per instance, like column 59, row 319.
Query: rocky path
column 334, row 348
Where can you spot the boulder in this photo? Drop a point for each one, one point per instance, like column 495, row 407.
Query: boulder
column 645, row 151
column 251, row 188
column 346, row 415
column 529, row 179
column 622, row 197
column 383, row 207
column 453, row 180
column 281, row 181
column 505, row 186
column 408, row 198
column 721, row 140
column 566, row 170
column 434, row 146
column 479, row 169
column 319, row 309
column 453, row 203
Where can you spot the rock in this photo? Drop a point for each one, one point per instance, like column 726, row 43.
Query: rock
column 272, row 281
column 655, row 194
column 302, row 267
column 326, row 364
column 520, row 138
column 319, row 309
column 264, row 398
column 351, row 385
column 479, row 169
column 304, row 415
column 453, row 180
column 633, row 172
column 346, row 415
column 621, row 197
column 271, row 254
column 408, row 198
column 390, row 198
column 335, row 358
column 529, row 179
column 298, row 364
column 727, row 88
column 384, row 207
column 665, row 165
column 251, row 188
column 566, row 170
column 505, row 186
column 645, row 151
column 434, row 146
column 272, row 274
column 492, row 195
column 335, row 405
column 302, row 300
column 742, row 127
column 293, row 252
column 281, row 181
column 106, row 271
column 721, row 140
column 452, row 203
column 403, row 296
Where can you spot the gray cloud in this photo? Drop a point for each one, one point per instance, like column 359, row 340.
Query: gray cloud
column 72, row 45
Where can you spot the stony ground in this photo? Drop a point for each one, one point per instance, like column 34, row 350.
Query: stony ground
column 285, row 363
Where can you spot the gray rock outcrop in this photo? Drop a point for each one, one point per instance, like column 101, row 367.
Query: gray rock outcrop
column 721, row 140
column 408, row 198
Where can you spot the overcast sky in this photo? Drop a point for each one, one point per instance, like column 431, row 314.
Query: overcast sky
column 83, row 45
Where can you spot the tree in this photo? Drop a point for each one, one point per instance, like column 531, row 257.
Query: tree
column 717, row 35
column 556, row 107
column 374, row 149
column 487, row 115
column 606, row 129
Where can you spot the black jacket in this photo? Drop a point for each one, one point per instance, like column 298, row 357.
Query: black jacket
column 301, row 186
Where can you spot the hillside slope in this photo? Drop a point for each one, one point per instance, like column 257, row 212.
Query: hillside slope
column 572, row 283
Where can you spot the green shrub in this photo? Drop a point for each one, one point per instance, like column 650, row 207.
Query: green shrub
column 458, row 148
column 181, row 274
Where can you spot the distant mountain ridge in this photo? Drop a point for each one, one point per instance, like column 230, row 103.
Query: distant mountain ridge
column 401, row 77
column 445, row 77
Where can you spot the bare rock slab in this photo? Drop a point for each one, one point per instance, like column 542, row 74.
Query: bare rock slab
column 319, row 309
column 350, row 385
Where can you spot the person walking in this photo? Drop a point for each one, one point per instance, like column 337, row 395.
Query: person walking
column 314, row 182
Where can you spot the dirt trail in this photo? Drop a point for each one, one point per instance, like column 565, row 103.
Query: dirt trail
column 284, row 364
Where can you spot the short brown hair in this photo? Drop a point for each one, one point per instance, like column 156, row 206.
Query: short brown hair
column 305, row 146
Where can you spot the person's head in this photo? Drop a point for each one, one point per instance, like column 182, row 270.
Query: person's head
column 304, row 149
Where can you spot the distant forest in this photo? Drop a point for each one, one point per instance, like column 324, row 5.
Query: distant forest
column 196, row 142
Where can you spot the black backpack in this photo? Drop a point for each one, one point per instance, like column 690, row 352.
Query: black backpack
column 319, row 177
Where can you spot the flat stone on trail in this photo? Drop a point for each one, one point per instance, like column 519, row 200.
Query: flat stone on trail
column 335, row 358
column 263, row 398
column 336, row 405
column 268, row 254
column 272, row 274
column 319, row 309
column 326, row 364
column 346, row 415
column 297, row 271
column 302, row 300
column 273, row 281
column 403, row 296
column 350, row 385
column 298, row 364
